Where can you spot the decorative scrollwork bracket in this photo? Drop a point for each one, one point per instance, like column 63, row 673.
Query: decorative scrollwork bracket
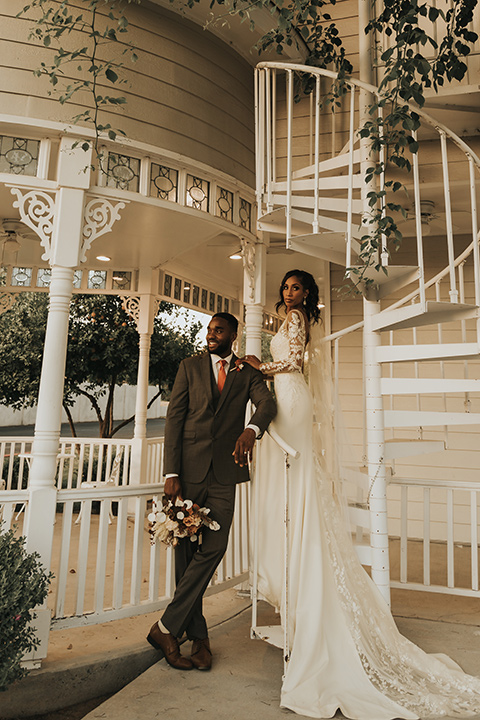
column 132, row 304
column 99, row 216
column 37, row 210
column 7, row 300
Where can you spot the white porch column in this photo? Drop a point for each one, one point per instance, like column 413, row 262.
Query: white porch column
column 254, row 256
column 143, row 309
column 141, row 400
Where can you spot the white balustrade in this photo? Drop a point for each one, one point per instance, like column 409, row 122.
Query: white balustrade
column 443, row 518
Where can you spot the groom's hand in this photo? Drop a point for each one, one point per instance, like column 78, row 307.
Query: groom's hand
column 172, row 487
column 244, row 447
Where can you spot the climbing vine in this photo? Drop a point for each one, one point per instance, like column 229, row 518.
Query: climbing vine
column 412, row 62
column 90, row 68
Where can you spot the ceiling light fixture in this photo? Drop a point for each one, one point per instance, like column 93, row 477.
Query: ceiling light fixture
column 237, row 255
column 103, row 258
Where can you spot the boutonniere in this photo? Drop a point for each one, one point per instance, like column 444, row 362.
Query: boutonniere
column 236, row 368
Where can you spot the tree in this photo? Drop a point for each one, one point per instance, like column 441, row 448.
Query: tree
column 102, row 353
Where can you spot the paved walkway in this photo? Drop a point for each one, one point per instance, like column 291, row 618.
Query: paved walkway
column 244, row 683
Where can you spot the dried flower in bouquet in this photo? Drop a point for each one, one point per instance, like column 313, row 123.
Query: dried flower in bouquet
column 178, row 519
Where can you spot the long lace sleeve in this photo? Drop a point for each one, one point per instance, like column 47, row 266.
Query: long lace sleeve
column 296, row 334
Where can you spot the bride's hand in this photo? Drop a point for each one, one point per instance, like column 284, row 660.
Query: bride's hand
column 250, row 360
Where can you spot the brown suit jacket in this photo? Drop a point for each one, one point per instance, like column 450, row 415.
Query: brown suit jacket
column 200, row 432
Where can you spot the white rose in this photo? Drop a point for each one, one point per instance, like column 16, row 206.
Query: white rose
column 178, row 502
column 188, row 504
column 180, row 516
column 193, row 538
column 161, row 517
column 152, row 517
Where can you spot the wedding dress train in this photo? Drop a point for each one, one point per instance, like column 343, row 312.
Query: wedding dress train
column 346, row 652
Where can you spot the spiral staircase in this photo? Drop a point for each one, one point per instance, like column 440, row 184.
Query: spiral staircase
column 421, row 313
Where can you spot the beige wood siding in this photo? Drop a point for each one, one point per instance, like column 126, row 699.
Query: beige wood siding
column 188, row 92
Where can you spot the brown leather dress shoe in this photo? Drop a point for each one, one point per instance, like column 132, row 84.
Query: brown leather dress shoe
column 168, row 644
column 201, row 654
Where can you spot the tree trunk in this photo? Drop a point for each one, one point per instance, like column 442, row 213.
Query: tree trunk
column 132, row 418
column 70, row 420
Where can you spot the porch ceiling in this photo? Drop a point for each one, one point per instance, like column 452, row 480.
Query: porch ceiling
column 177, row 239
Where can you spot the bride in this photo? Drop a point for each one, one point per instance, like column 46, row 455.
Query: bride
column 346, row 652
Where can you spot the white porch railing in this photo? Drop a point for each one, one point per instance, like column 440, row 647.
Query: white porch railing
column 104, row 565
column 444, row 517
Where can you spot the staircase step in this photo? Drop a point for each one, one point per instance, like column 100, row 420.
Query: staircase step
column 364, row 551
column 422, row 418
column 333, row 182
column 338, row 161
column 328, row 246
column 417, row 353
column 273, row 221
column 359, row 515
column 397, row 448
column 360, row 477
column 416, row 386
column 302, row 220
column 396, row 277
column 273, row 634
column 329, row 204
column 428, row 313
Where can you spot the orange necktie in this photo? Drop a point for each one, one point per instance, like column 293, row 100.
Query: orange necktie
column 222, row 375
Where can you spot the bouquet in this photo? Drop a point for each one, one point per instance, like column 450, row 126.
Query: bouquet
column 178, row 519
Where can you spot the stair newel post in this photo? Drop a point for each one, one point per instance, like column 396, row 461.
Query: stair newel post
column 475, row 234
column 375, row 432
column 448, row 218
column 418, row 221
column 268, row 138
column 374, row 419
column 348, row 262
column 382, row 158
column 259, row 136
column 317, row 153
column 289, row 153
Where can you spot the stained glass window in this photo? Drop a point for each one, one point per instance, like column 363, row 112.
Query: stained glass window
column 123, row 172
column 163, row 182
column 224, row 204
column 198, row 191
column 22, row 276
column 18, row 155
column 97, row 279
column 245, row 214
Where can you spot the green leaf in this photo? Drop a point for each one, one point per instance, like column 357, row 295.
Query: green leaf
column 111, row 75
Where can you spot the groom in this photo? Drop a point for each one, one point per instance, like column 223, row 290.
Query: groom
column 207, row 448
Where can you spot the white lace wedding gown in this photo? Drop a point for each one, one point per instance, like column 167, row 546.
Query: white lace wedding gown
column 346, row 652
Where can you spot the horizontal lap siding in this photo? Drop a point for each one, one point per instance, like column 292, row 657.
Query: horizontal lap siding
column 461, row 461
column 188, row 93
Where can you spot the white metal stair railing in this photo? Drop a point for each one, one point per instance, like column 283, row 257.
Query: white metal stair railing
column 315, row 201
column 273, row 634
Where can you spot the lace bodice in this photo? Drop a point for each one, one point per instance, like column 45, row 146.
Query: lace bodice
column 288, row 346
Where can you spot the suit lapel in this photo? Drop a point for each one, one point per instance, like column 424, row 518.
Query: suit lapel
column 231, row 377
column 206, row 371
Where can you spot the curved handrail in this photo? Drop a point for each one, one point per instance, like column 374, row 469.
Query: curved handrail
column 439, row 276
column 374, row 91
column 282, row 443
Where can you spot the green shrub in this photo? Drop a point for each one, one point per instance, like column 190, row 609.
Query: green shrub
column 23, row 585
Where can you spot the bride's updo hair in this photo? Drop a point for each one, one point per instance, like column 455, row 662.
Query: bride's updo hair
column 311, row 301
